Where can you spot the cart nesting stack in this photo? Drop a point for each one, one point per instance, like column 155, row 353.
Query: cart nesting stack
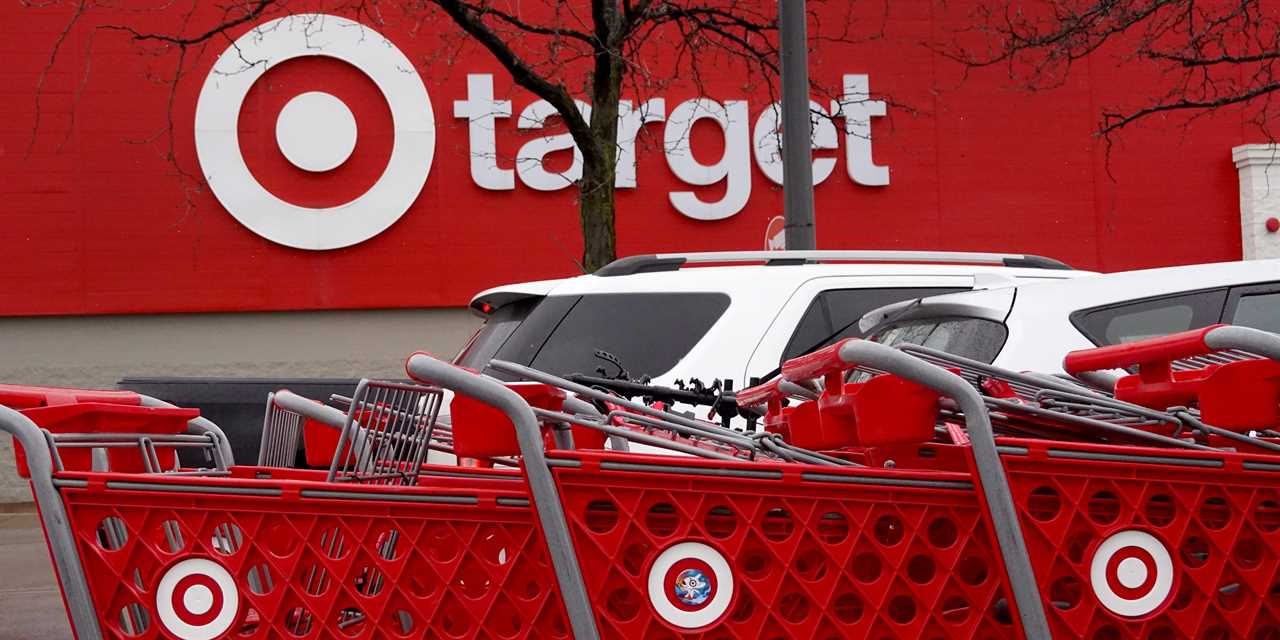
column 911, row 495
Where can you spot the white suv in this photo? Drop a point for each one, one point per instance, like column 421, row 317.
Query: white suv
column 734, row 317
column 1030, row 327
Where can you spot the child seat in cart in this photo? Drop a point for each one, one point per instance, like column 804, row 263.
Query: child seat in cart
column 892, row 492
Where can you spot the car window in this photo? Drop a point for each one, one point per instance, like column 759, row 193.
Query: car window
column 495, row 332
column 833, row 314
column 1148, row 323
column 1259, row 311
column 1139, row 319
column 523, row 341
column 647, row 332
column 974, row 338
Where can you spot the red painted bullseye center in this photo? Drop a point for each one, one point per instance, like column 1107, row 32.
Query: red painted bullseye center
column 1131, row 572
column 200, row 592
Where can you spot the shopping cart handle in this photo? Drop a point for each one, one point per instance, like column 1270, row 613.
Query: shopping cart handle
column 1150, row 351
column 824, row 361
column 760, row 394
column 310, row 409
column 776, row 389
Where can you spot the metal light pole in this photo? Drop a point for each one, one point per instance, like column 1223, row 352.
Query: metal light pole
column 797, row 163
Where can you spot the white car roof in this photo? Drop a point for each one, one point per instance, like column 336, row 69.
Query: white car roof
column 1147, row 283
column 732, row 277
column 1094, row 290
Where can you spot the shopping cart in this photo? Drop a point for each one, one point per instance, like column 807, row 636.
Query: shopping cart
column 908, row 494
column 1148, row 507
column 372, row 545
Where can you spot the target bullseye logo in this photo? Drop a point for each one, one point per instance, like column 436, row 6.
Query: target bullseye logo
column 316, row 132
column 690, row 585
column 1131, row 573
column 197, row 599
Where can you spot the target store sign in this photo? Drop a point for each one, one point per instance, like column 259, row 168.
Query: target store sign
column 386, row 161
column 316, row 133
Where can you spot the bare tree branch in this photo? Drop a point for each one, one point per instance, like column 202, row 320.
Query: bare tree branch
column 485, row 10
column 1207, row 56
column 253, row 11
column 48, row 66
column 521, row 72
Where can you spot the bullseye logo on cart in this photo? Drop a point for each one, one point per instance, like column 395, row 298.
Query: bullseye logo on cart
column 690, row 585
column 317, row 133
column 197, row 599
column 1132, row 573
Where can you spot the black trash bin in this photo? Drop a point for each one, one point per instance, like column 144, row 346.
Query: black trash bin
column 235, row 404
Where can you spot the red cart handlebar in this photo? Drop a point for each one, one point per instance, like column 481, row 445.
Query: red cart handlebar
column 1153, row 350
column 822, row 362
column 1237, row 388
column 760, row 394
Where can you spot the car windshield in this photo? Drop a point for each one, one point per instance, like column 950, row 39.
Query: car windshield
column 974, row 338
column 647, row 332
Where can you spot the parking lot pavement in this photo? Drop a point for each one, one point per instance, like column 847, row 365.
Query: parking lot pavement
column 30, row 605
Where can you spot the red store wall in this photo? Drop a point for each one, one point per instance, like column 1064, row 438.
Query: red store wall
column 95, row 217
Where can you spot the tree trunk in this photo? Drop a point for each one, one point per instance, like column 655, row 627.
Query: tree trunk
column 596, row 205
column 596, row 210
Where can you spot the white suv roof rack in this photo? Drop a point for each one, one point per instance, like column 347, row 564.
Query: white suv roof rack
column 672, row 261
